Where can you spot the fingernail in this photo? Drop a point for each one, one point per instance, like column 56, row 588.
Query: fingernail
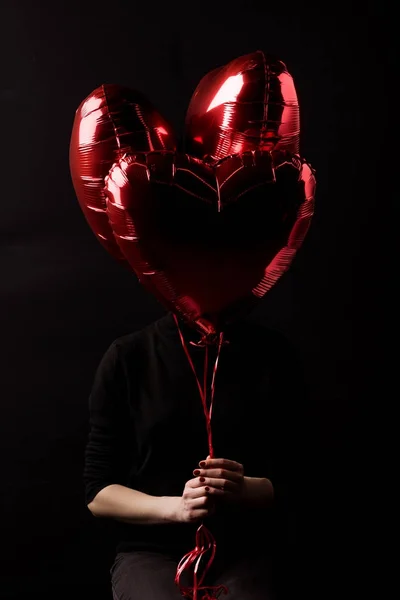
column 196, row 472
column 202, row 479
column 202, row 464
column 207, row 489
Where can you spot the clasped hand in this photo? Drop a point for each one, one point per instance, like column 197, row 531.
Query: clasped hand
column 221, row 477
column 215, row 480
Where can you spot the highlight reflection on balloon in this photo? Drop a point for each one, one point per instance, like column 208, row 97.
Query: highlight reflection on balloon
column 248, row 104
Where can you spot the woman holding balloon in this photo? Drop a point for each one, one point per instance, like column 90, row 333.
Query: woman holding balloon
column 195, row 435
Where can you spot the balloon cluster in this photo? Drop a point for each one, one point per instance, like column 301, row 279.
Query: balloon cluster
column 208, row 231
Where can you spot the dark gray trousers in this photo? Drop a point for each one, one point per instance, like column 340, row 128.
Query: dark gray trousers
column 149, row 575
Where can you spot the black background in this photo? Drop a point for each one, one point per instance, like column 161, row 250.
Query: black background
column 63, row 299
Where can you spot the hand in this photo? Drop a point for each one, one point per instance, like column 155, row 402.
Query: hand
column 195, row 503
column 224, row 478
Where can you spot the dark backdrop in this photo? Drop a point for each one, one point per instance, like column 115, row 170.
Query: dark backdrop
column 63, row 299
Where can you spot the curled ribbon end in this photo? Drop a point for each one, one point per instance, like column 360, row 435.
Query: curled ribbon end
column 204, row 543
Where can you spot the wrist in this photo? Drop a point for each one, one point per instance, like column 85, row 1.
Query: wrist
column 257, row 492
column 169, row 508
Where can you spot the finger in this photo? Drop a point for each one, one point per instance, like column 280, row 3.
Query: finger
column 197, row 481
column 199, row 492
column 196, row 488
column 221, row 463
column 217, row 492
column 203, row 502
column 224, row 485
column 220, row 474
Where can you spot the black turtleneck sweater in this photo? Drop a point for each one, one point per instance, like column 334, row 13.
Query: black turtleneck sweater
column 148, row 430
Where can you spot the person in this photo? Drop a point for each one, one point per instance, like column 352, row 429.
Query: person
column 147, row 461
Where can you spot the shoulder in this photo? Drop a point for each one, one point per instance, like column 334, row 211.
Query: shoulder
column 266, row 336
column 139, row 340
column 275, row 346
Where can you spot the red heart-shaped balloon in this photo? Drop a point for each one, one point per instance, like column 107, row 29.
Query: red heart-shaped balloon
column 248, row 104
column 111, row 121
column 210, row 238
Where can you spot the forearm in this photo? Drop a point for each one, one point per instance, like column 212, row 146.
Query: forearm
column 134, row 507
column 257, row 492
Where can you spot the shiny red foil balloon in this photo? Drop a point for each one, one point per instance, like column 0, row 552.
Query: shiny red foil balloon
column 248, row 104
column 210, row 238
column 111, row 121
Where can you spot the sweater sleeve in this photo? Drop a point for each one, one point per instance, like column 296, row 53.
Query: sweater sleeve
column 106, row 454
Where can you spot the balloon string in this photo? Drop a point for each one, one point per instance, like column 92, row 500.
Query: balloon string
column 205, row 541
column 203, row 391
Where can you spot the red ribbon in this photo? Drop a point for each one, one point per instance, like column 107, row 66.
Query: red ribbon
column 205, row 541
